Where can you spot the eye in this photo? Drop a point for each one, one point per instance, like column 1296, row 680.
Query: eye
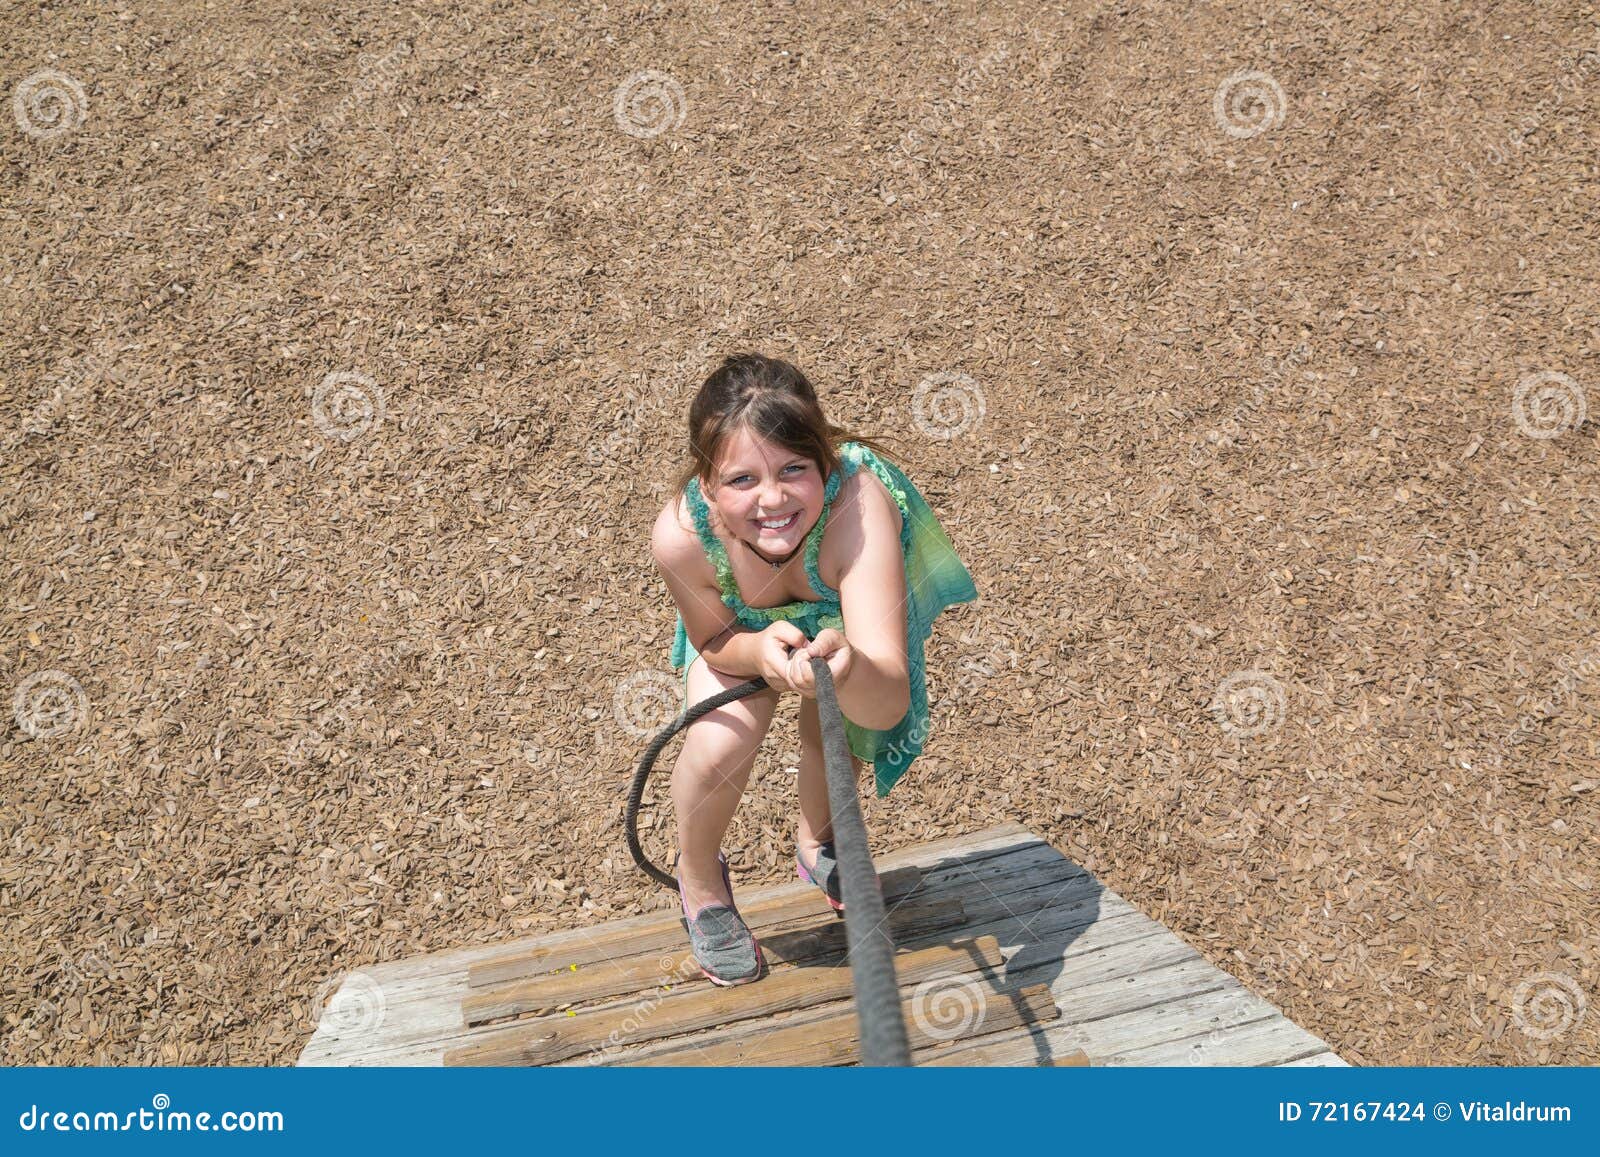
column 742, row 477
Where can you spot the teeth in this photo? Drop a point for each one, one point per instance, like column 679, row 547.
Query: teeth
column 776, row 523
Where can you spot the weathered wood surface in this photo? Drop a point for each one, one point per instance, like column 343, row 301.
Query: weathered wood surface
column 1126, row 991
column 788, row 943
column 664, row 933
column 690, row 1008
column 831, row 1039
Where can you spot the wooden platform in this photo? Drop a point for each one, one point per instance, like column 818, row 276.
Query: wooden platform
column 1008, row 954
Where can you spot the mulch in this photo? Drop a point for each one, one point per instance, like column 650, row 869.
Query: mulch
column 346, row 359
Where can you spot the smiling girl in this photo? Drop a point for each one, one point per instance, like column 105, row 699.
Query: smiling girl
column 783, row 528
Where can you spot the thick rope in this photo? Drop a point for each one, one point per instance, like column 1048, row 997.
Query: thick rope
column 871, row 949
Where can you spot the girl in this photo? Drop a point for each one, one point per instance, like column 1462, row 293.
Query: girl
column 782, row 529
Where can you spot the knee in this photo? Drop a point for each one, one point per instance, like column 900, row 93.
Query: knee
column 723, row 744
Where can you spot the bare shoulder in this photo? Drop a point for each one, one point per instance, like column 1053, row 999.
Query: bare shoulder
column 673, row 539
column 865, row 493
column 863, row 501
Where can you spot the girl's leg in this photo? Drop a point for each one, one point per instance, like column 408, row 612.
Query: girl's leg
column 719, row 749
column 816, row 820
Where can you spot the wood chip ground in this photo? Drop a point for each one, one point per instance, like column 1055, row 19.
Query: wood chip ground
column 1249, row 435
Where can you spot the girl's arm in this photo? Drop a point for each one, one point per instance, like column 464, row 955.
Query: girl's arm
column 713, row 629
column 876, row 692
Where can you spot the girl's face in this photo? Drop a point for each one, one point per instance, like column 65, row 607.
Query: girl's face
column 758, row 483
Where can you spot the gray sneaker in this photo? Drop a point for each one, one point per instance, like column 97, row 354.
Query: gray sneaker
column 824, row 874
column 723, row 946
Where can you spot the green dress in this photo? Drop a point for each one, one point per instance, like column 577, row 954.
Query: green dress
column 935, row 579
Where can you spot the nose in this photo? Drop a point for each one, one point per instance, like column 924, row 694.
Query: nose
column 771, row 495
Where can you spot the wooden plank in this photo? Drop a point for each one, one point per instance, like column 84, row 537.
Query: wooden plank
column 1324, row 1060
column 1274, row 1040
column 1127, row 936
column 910, row 917
column 1082, row 928
column 667, row 932
column 1153, row 983
column 427, row 1009
column 769, row 907
column 998, row 1053
column 550, row 1039
column 1085, row 942
column 410, row 999
column 442, row 963
column 631, row 975
column 1134, row 977
column 541, row 994
column 1189, row 1020
column 833, row 1039
column 1121, row 937
column 1114, row 960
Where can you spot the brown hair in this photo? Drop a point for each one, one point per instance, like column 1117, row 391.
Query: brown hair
column 770, row 398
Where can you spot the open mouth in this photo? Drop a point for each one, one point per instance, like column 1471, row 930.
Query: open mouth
column 778, row 525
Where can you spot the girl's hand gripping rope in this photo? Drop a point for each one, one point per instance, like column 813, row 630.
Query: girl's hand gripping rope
column 776, row 647
column 829, row 644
